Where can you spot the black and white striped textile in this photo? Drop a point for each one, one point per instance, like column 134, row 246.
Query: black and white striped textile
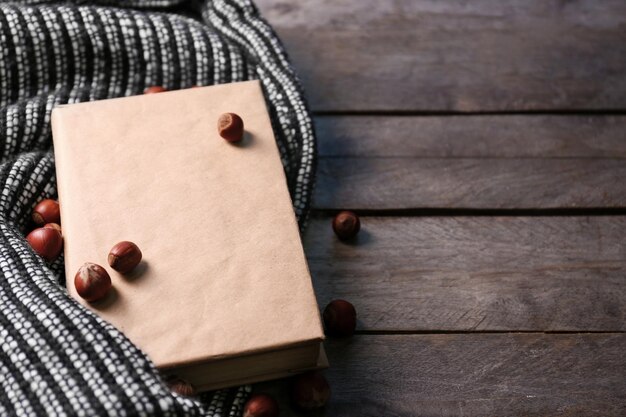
column 57, row 358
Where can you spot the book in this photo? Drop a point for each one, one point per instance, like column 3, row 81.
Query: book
column 223, row 295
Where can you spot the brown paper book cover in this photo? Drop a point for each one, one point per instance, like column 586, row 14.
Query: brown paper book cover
column 223, row 295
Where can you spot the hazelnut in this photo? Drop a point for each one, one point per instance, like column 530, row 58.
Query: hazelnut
column 92, row 281
column 47, row 211
column 339, row 318
column 261, row 405
column 230, row 127
column 180, row 386
column 124, row 257
column 154, row 89
column 47, row 242
column 53, row 226
column 346, row 225
column 310, row 391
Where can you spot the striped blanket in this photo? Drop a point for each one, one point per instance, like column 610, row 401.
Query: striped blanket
column 57, row 358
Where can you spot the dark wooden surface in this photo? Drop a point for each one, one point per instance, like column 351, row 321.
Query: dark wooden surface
column 469, row 183
column 433, row 55
column 476, row 273
column 479, row 162
column 487, row 136
column 473, row 375
column 484, row 145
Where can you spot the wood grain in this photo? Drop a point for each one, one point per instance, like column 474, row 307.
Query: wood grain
column 506, row 136
column 477, row 162
column 472, row 375
column 469, row 183
column 476, row 273
column 482, row 55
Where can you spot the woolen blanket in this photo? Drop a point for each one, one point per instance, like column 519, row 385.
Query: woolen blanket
column 56, row 357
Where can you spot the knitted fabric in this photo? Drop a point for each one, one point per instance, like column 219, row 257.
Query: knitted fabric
column 56, row 357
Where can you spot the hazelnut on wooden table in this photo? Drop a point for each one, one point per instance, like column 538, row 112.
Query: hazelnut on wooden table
column 261, row 405
column 92, row 281
column 47, row 211
column 310, row 391
column 124, row 257
column 230, row 127
column 346, row 225
column 46, row 242
column 339, row 318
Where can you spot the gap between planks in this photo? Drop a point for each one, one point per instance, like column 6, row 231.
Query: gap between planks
column 433, row 332
column 461, row 212
column 448, row 113
column 526, row 163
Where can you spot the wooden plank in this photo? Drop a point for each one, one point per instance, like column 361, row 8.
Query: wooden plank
column 482, row 55
column 472, row 375
column 469, row 183
column 478, row 162
column 505, row 136
column 476, row 273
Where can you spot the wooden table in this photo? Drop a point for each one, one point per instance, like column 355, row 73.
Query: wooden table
column 484, row 144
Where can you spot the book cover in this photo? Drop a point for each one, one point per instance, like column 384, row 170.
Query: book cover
column 223, row 273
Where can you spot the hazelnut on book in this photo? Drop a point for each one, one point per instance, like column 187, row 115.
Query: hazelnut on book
column 124, row 257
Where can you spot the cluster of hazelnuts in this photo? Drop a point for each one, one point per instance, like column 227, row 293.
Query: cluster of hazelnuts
column 47, row 239
column 92, row 281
